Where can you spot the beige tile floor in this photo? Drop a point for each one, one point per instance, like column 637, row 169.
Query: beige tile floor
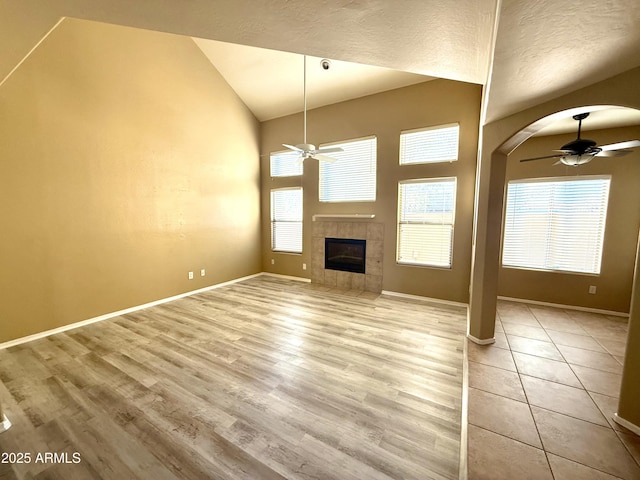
column 541, row 399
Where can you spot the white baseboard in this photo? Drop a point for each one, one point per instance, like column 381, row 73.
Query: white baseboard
column 424, row 299
column 566, row 307
column 5, row 424
column 626, row 424
column 82, row 323
column 486, row 341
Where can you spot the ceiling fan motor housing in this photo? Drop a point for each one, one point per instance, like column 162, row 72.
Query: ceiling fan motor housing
column 306, row 146
column 580, row 146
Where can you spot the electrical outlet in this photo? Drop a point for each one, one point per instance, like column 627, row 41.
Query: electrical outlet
column 273, row 262
column 592, row 289
column 190, row 275
column 304, row 266
column 202, row 272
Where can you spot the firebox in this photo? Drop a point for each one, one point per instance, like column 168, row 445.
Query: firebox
column 346, row 254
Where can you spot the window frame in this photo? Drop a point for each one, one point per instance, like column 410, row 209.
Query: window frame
column 399, row 221
column 404, row 134
column 274, row 221
column 337, row 155
column 547, row 268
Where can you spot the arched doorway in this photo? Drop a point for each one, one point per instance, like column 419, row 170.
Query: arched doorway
column 498, row 139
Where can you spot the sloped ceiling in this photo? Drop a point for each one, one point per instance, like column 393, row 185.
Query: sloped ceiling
column 272, row 84
column 523, row 52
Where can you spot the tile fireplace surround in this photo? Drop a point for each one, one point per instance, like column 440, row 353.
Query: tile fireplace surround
column 373, row 233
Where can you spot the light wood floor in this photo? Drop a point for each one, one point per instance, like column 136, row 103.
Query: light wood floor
column 264, row 379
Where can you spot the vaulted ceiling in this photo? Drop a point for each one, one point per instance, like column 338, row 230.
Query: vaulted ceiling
column 524, row 52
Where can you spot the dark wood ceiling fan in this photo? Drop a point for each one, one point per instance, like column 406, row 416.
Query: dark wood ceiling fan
column 583, row 150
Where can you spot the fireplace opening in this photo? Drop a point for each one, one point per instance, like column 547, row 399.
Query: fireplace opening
column 345, row 254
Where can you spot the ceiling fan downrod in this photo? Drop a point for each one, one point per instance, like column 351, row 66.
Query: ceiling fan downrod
column 579, row 117
column 304, row 94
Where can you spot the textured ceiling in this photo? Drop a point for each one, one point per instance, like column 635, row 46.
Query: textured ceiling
column 599, row 118
column 538, row 51
column 547, row 48
column 279, row 89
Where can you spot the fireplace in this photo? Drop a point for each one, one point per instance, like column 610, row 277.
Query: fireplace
column 345, row 254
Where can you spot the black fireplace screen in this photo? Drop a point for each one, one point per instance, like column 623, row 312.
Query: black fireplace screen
column 345, row 254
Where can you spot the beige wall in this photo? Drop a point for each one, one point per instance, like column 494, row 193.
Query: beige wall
column 623, row 221
column 384, row 115
column 126, row 161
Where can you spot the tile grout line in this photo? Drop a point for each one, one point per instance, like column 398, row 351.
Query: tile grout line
column 577, row 377
column 546, row 408
column 535, row 423
column 583, row 388
column 618, row 434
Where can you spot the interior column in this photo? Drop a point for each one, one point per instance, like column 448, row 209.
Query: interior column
column 628, row 407
column 486, row 251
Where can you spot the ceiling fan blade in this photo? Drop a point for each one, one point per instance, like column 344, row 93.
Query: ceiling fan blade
column 329, row 150
column 614, row 153
column 541, row 158
column 291, row 147
column 324, row 158
column 300, row 160
column 621, row 145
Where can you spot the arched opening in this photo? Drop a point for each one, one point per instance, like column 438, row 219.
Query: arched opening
column 500, row 139
column 570, row 233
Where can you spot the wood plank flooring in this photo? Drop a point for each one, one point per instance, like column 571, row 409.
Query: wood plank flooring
column 263, row 379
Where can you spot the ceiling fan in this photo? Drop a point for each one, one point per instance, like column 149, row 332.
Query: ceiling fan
column 583, row 150
column 307, row 150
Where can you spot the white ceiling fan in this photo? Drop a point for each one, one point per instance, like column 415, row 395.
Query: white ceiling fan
column 308, row 150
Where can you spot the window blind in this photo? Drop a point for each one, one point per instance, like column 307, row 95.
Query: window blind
column 426, row 213
column 285, row 164
column 286, row 220
column 430, row 145
column 352, row 178
column 556, row 224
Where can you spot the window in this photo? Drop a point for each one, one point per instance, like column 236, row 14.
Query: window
column 556, row 223
column 426, row 212
column 430, row 145
column 352, row 178
column 286, row 220
column 285, row 164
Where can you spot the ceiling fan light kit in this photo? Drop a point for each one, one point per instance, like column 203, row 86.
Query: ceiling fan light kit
column 583, row 150
column 308, row 150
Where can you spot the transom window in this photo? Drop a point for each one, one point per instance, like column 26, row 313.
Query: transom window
column 426, row 214
column 430, row 145
column 286, row 220
column 556, row 223
column 285, row 164
column 352, row 178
